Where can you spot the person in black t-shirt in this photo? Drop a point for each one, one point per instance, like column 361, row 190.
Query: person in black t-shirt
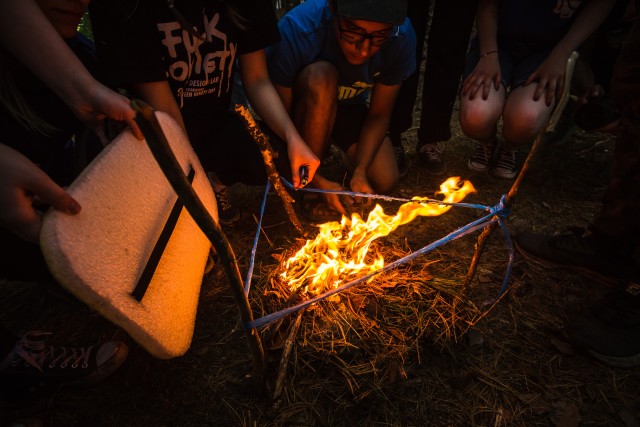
column 180, row 57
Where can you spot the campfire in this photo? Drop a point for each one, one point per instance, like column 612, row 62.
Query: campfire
column 340, row 252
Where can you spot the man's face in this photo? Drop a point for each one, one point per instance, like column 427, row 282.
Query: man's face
column 64, row 15
column 359, row 39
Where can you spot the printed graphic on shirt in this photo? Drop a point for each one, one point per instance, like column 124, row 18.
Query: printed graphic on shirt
column 566, row 8
column 201, row 68
column 353, row 91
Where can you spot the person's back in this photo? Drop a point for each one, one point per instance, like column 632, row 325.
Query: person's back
column 181, row 57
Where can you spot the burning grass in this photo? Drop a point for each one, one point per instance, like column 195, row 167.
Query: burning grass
column 368, row 333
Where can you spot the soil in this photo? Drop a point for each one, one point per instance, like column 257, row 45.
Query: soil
column 508, row 365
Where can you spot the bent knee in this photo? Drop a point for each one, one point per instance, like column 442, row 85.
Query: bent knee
column 319, row 77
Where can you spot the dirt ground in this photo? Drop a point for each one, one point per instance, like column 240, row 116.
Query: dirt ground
column 411, row 348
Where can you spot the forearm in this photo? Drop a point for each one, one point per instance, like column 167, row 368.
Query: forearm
column 587, row 21
column 160, row 97
column 371, row 136
column 487, row 25
column 268, row 104
column 30, row 37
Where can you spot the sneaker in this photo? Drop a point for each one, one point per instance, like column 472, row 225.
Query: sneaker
column 401, row 159
column 481, row 157
column 610, row 330
column 33, row 366
column 575, row 251
column 505, row 166
column 228, row 214
column 431, row 158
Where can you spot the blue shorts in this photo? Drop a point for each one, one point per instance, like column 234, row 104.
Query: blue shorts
column 514, row 69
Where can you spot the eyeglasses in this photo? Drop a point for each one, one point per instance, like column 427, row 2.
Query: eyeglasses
column 357, row 37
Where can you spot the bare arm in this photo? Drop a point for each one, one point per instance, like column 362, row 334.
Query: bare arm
column 487, row 70
column 160, row 97
column 372, row 134
column 36, row 43
column 551, row 71
column 267, row 103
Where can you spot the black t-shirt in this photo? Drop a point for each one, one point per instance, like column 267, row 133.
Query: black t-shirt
column 140, row 41
column 52, row 152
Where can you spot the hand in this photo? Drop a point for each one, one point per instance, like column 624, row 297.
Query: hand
column 485, row 74
column 360, row 184
column 98, row 102
column 20, row 182
column 334, row 201
column 550, row 76
column 301, row 155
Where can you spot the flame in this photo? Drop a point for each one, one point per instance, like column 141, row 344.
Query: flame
column 339, row 252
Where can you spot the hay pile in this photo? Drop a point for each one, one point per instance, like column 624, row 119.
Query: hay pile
column 368, row 333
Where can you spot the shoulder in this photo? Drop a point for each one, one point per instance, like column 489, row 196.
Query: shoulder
column 307, row 18
column 403, row 45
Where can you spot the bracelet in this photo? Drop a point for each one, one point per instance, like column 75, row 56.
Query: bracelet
column 489, row 53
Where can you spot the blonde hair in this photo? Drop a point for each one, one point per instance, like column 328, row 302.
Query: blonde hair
column 15, row 104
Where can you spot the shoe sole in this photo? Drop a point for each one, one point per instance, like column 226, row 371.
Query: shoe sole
column 584, row 272
column 435, row 173
column 476, row 169
column 503, row 176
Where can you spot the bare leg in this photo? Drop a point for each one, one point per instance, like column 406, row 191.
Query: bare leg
column 383, row 172
column 315, row 101
column 478, row 117
column 524, row 118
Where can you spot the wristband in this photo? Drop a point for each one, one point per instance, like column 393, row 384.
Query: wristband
column 489, row 53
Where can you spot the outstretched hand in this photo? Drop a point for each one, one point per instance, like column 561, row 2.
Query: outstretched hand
column 300, row 155
column 97, row 103
column 21, row 181
column 360, row 184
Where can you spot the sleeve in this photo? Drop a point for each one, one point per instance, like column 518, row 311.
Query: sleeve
column 399, row 57
column 259, row 18
column 295, row 50
column 124, row 33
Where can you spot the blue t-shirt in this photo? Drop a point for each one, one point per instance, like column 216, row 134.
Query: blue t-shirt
column 307, row 35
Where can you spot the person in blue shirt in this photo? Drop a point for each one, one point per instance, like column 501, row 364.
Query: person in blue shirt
column 338, row 68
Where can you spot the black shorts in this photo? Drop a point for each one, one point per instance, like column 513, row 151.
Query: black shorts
column 348, row 124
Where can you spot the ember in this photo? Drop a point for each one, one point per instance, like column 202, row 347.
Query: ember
column 340, row 251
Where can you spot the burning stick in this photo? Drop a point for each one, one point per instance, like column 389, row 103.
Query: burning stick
column 267, row 155
column 161, row 150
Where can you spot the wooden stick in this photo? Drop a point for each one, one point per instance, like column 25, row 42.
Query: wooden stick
column 268, row 155
column 284, row 359
column 161, row 150
column 511, row 195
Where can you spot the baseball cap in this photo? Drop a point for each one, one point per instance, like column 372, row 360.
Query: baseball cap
column 387, row 11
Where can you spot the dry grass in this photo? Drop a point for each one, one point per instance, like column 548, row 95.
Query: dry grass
column 410, row 348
